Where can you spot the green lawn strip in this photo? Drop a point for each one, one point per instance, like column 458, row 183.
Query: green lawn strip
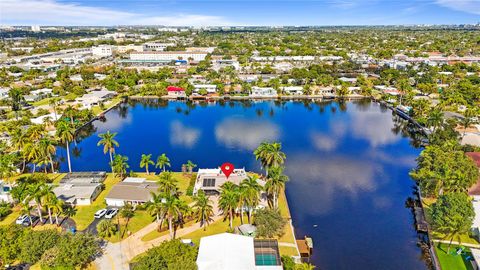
column 287, row 251
column 464, row 238
column 449, row 261
column 217, row 227
column 155, row 233
column 11, row 217
column 41, row 102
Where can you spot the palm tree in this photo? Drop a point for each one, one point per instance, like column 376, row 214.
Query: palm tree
column 275, row 183
column 65, row 133
column 203, row 209
column 435, row 119
column 106, row 228
column 69, row 212
column 36, row 192
column 304, row 266
column 119, row 165
column 270, row 155
column 145, row 161
column 173, row 210
column 191, row 166
column 251, row 189
column 228, row 201
column 167, row 184
column 49, row 200
column 127, row 213
column 162, row 161
column 155, row 207
column 57, row 209
column 18, row 142
column 32, row 153
column 53, row 102
column 109, row 143
column 16, row 98
column 48, row 149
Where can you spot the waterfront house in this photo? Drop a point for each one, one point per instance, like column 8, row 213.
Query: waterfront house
column 131, row 190
column 41, row 119
column 94, row 98
column 238, row 252
column 293, row 90
column 210, row 180
column 260, row 92
column 78, row 194
column 210, row 88
column 474, row 192
column 176, row 92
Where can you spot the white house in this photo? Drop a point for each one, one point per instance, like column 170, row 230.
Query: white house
column 4, row 92
column 41, row 119
column 95, row 98
column 237, row 252
column 78, row 194
column 210, row 180
column 132, row 190
column 102, row 50
column 210, row 88
column 293, row 90
column 263, row 92
column 5, row 195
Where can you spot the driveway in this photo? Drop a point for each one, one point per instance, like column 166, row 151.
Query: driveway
column 92, row 227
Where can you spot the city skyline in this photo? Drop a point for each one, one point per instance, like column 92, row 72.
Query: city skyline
column 242, row 13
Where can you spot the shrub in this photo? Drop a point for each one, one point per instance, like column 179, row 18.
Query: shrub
column 270, row 223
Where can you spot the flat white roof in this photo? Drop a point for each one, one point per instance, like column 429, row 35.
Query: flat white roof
column 476, row 207
column 226, row 251
column 134, row 180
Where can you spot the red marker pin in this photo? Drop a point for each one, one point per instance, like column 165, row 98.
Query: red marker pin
column 227, row 168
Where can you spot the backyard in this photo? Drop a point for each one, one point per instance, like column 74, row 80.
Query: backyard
column 451, row 260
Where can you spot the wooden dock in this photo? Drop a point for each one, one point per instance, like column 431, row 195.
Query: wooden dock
column 420, row 222
column 305, row 247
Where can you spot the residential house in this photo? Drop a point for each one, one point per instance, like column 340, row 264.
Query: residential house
column 474, row 192
column 4, row 92
column 176, row 92
column 238, row 252
column 78, row 194
column 263, row 92
column 41, row 119
column 293, row 90
column 131, row 190
column 5, row 195
column 39, row 94
column 94, row 98
column 210, row 88
column 210, row 180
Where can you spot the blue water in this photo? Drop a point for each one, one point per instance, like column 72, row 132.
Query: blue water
column 348, row 165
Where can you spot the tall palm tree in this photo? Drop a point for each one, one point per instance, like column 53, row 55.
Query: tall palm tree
column 270, row 155
column 48, row 149
column 36, row 192
column 119, row 165
column 251, row 189
column 33, row 154
column 145, row 161
column 18, row 142
column 203, row 209
column 228, row 201
column 275, row 183
column 53, row 102
column 191, row 166
column 155, row 207
column 127, row 213
column 173, row 210
column 68, row 212
column 435, row 119
column 57, row 209
column 49, row 200
column 167, row 184
column 162, row 161
column 16, row 99
column 26, row 209
column 65, row 133
column 109, row 143
column 36, row 132
column 106, row 228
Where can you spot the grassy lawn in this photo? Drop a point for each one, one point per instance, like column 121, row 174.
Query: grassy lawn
column 155, row 234
column 41, row 102
column 288, row 251
column 454, row 262
column 217, row 227
column 140, row 220
column 12, row 217
column 84, row 215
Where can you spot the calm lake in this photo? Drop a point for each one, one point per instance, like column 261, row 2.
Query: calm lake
column 348, row 166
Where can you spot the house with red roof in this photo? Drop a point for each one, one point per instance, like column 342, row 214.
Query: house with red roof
column 474, row 191
column 176, row 92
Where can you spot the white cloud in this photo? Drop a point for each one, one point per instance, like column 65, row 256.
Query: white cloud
column 323, row 142
column 374, row 127
column 469, row 6
column 246, row 134
column 51, row 12
column 183, row 135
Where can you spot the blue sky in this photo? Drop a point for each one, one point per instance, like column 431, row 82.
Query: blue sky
column 234, row 12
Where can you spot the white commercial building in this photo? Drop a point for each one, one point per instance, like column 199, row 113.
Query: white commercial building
column 167, row 56
column 156, row 46
column 102, row 50
column 129, row 47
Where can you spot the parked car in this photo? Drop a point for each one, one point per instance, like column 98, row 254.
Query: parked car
column 27, row 223
column 21, row 219
column 100, row 213
column 111, row 213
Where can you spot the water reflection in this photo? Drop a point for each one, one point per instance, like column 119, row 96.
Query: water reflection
column 246, row 134
column 182, row 135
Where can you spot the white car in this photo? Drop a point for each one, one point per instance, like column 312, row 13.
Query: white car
column 21, row 219
column 100, row 213
column 111, row 213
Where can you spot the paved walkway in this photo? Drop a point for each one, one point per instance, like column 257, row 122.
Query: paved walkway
column 116, row 256
column 457, row 243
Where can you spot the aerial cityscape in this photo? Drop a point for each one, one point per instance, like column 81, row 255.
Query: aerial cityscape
column 240, row 135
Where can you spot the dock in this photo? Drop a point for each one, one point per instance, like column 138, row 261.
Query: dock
column 305, row 247
column 420, row 222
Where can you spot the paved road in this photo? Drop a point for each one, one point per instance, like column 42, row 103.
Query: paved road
column 92, row 228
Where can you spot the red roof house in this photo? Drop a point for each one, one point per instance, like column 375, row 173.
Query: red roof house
column 172, row 88
column 475, row 189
